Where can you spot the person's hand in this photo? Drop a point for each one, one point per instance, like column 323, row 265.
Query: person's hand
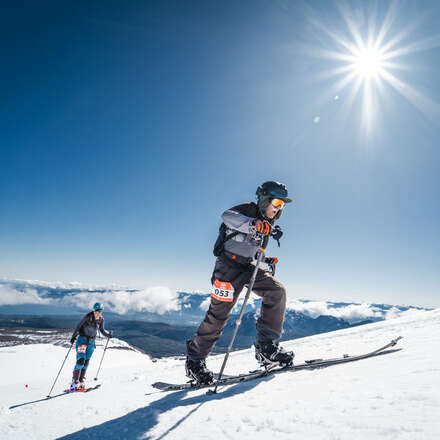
column 263, row 227
column 110, row 334
column 277, row 233
column 271, row 260
column 73, row 339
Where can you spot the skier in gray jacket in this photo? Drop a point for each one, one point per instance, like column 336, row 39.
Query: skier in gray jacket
column 87, row 330
column 236, row 247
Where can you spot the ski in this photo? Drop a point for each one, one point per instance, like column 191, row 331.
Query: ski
column 64, row 393
column 81, row 390
column 256, row 374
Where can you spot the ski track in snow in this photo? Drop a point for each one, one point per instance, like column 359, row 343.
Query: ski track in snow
column 395, row 396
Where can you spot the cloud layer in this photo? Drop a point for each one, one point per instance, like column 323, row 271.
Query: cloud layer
column 153, row 299
column 160, row 300
column 10, row 296
column 350, row 312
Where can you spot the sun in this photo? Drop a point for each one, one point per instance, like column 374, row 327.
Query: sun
column 368, row 63
column 368, row 59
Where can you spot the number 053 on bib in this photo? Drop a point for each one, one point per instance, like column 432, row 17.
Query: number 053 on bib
column 223, row 291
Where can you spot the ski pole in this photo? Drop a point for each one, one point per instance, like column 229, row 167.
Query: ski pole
column 238, row 322
column 105, row 349
column 70, row 348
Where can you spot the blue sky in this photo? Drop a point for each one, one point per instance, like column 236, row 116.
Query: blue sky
column 127, row 128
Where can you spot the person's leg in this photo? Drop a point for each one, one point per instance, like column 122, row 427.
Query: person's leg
column 273, row 306
column 210, row 329
column 218, row 313
column 81, row 348
column 270, row 322
column 89, row 351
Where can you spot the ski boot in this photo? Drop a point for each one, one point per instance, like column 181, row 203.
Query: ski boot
column 196, row 370
column 269, row 354
column 82, row 380
column 75, row 380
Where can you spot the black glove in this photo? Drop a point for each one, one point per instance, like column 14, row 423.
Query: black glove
column 277, row 233
column 110, row 333
column 73, row 339
column 271, row 262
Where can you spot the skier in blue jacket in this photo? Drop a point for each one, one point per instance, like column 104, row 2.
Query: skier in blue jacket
column 87, row 330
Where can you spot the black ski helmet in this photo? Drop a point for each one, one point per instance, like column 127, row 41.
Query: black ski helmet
column 271, row 190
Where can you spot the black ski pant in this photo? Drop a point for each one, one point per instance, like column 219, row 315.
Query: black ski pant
column 273, row 307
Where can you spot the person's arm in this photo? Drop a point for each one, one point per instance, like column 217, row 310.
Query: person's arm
column 235, row 219
column 107, row 334
column 77, row 329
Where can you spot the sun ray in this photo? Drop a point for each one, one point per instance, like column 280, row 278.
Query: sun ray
column 386, row 47
column 339, row 86
column 426, row 44
column 330, row 54
column 366, row 53
column 334, row 72
column 351, row 26
column 389, row 65
column 335, row 36
column 427, row 106
column 386, row 25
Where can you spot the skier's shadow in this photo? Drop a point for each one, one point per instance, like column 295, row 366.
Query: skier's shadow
column 138, row 423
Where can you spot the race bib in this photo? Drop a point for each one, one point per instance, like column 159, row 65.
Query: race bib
column 82, row 348
column 222, row 291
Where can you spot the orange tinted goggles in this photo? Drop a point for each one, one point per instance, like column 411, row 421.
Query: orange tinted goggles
column 278, row 203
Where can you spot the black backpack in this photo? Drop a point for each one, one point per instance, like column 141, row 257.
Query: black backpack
column 222, row 238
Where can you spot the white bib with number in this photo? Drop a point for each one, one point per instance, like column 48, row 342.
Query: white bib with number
column 223, row 291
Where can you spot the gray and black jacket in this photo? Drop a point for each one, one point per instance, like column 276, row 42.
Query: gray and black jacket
column 88, row 327
column 243, row 246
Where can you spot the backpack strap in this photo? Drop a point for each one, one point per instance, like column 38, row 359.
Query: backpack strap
column 232, row 235
column 222, row 239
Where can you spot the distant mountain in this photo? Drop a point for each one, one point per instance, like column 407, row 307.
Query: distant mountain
column 176, row 308
column 296, row 325
column 159, row 321
column 156, row 338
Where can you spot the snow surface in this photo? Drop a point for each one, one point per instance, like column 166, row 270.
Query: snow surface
column 394, row 396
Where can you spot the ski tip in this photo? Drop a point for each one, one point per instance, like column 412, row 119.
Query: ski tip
column 395, row 341
column 161, row 385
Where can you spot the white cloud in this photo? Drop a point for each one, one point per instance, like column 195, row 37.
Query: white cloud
column 11, row 296
column 161, row 300
column 154, row 299
column 351, row 313
column 204, row 305
column 240, row 301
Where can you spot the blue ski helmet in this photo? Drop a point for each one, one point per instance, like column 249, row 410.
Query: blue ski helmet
column 98, row 306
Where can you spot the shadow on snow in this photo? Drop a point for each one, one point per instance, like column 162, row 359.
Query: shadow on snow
column 138, row 423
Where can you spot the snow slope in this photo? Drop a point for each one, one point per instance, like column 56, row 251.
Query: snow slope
column 395, row 396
